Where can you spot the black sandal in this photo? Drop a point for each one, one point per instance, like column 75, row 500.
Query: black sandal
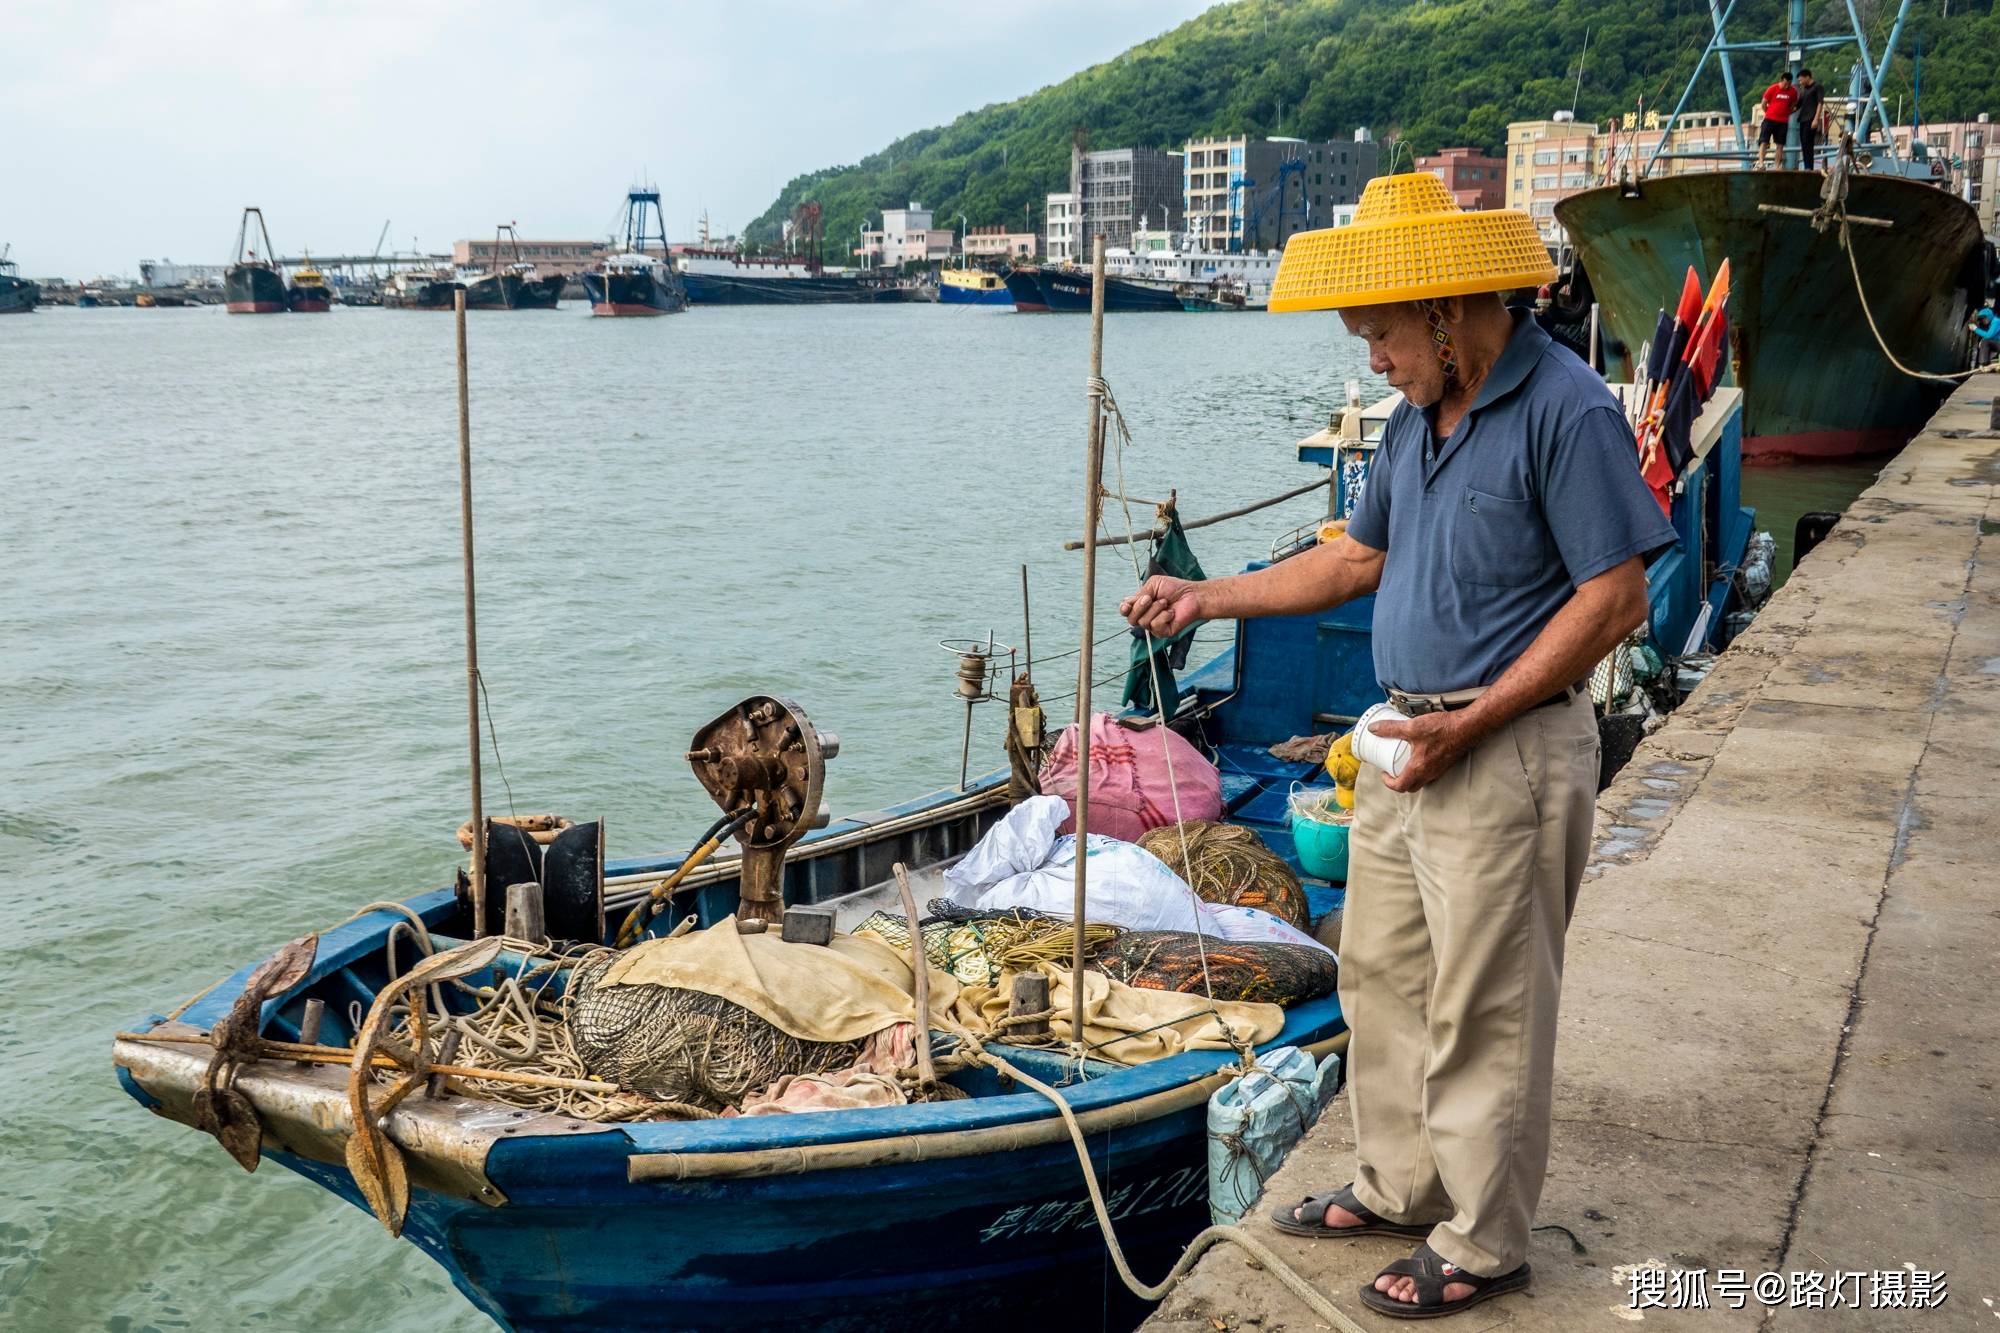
column 1433, row 1273
column 1371, row 1224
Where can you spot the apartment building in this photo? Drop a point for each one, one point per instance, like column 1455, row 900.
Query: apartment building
column 1059, row 229
column 1118, row 189
column 1474, row 179
column 1549, row 160
column 1240, row 193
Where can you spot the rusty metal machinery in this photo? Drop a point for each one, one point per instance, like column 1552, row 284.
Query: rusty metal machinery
column 765, row 764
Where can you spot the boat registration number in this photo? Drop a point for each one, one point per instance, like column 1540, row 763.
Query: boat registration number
column 1176, row 1189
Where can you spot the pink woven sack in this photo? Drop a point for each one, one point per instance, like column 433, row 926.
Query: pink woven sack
column 1129, row 789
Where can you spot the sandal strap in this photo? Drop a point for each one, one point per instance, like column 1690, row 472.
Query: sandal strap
column 1431, row 1273
column 1340, row 1198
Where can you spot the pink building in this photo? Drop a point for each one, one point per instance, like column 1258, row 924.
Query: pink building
column 1474, row 179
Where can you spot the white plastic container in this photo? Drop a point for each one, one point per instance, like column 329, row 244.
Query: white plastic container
column 1386, row 754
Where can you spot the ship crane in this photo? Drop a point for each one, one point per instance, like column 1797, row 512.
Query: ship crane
column 1254, row 211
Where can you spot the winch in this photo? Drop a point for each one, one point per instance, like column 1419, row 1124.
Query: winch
column 765, row 764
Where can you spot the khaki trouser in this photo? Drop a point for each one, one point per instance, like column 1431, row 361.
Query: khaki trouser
column 1458, row 897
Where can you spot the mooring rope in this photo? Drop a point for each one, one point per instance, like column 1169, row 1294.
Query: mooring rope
column 1953, row 377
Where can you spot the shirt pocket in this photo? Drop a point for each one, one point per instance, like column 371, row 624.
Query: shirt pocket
column 1497, row 542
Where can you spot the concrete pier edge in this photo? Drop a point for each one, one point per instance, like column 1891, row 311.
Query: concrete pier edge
column 1783, row 979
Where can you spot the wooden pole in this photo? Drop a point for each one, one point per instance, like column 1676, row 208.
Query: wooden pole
column 471, row 625
column 1093, row 500
column 920, row 971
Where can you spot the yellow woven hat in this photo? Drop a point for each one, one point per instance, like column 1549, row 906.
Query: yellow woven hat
column 1409, row 240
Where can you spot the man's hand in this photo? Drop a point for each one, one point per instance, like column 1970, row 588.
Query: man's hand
column 1163, row 606
column 1437, row 740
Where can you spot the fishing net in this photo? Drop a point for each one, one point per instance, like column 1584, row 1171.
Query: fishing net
column 684, row 1045
column 977, row 949
column 1265, row 971
column 1229, row 864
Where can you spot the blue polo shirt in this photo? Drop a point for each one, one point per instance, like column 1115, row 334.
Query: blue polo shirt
column 1488, row 532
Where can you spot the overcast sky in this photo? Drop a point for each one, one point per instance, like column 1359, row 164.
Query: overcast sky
column 139, row 131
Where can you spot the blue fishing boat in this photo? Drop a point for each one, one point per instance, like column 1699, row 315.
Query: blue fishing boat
column 973, row 286
column 942, row 1214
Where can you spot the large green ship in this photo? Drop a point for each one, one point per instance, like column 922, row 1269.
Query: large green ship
column 1818, row 381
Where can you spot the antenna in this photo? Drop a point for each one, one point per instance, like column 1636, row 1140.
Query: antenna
column 1577, row 96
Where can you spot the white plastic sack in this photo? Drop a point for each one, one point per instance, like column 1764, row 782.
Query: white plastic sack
column 1128, row 886
column 1253, row 1121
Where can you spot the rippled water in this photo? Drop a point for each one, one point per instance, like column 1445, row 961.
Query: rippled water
column 232, row 684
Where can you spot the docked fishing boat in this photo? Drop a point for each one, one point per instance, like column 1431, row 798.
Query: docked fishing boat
column 419, row 289
column 729, row 277
column 713, row 275
column 1024, row 288
column 18, row 296
column 1817, row 383
column 1067, row 291
column 636, row 279
column 516, row 285
column 973, row 286
column 252, row 285
column 961, row 1208
column 310, row 293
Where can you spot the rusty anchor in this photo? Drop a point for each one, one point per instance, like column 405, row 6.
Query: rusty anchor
column 219, row 1108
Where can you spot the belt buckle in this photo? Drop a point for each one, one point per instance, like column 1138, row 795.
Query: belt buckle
column 1411, row 705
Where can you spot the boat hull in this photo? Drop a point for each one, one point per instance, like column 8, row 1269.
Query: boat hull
column 1816, row 385
column 631, row 294
column 253, row 289
column 430, row 296
column 18, row 296
column 309, row 300
column 510, row 291
column 1068, row 292
column 1024, row 286
column 951, row 293
column 742, row 289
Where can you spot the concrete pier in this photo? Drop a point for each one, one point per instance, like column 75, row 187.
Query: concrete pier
column 1782, row 1003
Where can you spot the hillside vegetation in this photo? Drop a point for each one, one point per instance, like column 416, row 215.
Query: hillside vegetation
column 1429, row 73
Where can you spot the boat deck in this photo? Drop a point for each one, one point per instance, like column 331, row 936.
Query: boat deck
column 1776, row 1050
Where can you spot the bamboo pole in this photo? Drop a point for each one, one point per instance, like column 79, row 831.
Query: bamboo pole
column 304, row 1053
column 1093, row 500
column 471, row 625
column 920, row 971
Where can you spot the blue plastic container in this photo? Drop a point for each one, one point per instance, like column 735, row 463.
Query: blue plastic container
column 1322, row 848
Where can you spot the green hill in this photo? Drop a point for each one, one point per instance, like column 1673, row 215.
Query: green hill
column 1430, row 73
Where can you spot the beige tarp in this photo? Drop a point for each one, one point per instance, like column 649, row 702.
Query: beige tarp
column 843, row 991
column 1152, row 1023
column 857, row 986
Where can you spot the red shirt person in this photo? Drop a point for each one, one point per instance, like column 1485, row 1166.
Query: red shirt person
column 1780, row 100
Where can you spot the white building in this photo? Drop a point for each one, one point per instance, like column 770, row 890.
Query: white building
column 1059, row 241
column 906, row 234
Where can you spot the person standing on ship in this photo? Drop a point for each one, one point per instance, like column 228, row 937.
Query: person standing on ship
column 1812, row 101
column 1780, row 100
column 1502, row 529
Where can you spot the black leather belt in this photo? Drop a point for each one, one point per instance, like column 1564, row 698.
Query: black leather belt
column 1416, row 705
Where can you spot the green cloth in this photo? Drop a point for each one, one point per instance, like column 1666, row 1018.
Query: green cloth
column 1174, row 557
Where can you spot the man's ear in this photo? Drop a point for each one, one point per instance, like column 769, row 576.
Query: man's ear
column 1453, row 309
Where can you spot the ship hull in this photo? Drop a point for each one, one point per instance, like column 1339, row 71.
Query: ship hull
column 18, row 296
column 253, row 289
column 430, row 296
column 951, row 293
column 510, row 291
column 309, row 300
column 738, row 289
column 1024, row 285
column 1068, row 292
column 1815, row 383
column 639, row 294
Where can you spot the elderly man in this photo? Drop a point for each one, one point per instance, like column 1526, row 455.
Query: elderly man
column 1502, row 529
